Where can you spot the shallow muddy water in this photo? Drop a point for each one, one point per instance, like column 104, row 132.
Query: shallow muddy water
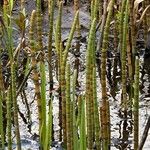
column 121, row 129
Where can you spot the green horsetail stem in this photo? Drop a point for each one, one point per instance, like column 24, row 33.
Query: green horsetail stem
column 79, row 110
column 82, row 126
column 8, row 25
column 58, row 38
column 14, row 98
column 9, row 104
column 60, row 94
column 96, row 4
column 2, row 98
column 129, row 48
column 39, row 25
column 108, row 123
column 123, row 5
column 42, row 74
column 89, row 72
column 104, row 121
column 78, row 34
column 68, row 105
column 76, row 8
column 68, row 44
column 43, row 102
column 48, row 137
column 74, row 107
column 59, row 49
column 1, row 122
column 136, row 104
column 5, row 12
column 92, row 9
column 58, row 30
column 62, row 84
column 123, row 58
column 7, row 8
column 71, row 123
column 51, row 23
column 96, row 113
column 35, row 75
column 133, row 34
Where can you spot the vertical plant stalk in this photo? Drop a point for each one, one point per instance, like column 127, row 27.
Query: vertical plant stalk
column 68, row 104
column 59, row 49
column 13, row 87
column 77, row 47
column 89, row 72
column 76, row 8
column 104, row 121
column 50, row 37
column 115, row 60
column 63, row 66
column 58, row 38
column 96, row 9
column 9, row 119
column 123, row 5
column 35, row 75
column 136, row 105
column 96, row 113
column 129, row 59
column 1, row 122
column 42, row 74
column 74, row 107
column 108, row 123
column 133, row 34
column 51, row 23
column 123, row 59
column 82, row 126
column 48, row 137
column 2, row 98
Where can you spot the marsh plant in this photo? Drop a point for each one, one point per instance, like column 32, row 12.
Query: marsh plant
column 84, row 117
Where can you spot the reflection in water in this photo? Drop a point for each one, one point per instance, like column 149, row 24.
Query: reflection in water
column 123, row 133
column 125, row 130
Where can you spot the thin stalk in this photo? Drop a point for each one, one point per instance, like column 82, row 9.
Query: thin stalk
column 50, row 38
column 9, row 104
column 96, row 113
column 133, row 34
column 2, row 90
column 1, row 122
column 63, row 65
column 82, row 126
column 15, row 112
column 74, row 105
column 77, row 47
column 35, row 75
column 48, row 136
column 89, row 72
column 123, row 59
column 68, row 104
column 136, row 105
column 123, row 5
column 104, row 121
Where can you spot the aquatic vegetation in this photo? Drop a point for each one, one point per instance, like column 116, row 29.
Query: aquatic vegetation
column 81, row 86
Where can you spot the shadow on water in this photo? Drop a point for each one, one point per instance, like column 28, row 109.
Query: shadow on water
column 122, row 138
